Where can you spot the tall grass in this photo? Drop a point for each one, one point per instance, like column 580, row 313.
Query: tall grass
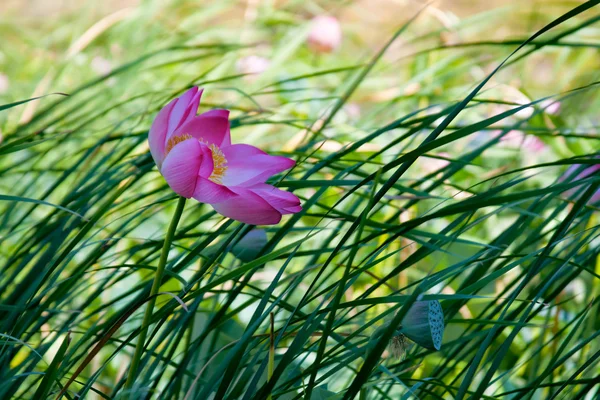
column 425, row 193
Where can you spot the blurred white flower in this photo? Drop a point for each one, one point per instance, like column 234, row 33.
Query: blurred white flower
column 101, row 65
column 253, row 65
column 325, row 34
column 352, row 110
column 575, row 288
column 4, row 83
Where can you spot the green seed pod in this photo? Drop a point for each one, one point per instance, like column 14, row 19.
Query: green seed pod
column 424, row 324
column 248, row 247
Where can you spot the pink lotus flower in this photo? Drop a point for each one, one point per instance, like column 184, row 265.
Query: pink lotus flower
column 195, row 156
column 325, row 34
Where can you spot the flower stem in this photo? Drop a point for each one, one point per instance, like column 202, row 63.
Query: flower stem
column 139, row 348
column 271, row 365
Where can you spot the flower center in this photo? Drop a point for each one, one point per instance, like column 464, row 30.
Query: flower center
column 219, row 164
column 218, row 158
column 174, row 140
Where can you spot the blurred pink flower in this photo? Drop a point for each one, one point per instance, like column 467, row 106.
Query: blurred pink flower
column 431, row 164
column 570, row 176
column 526, row 142
column 325, row 34
column 253, row 65
column 195, row 156
column 550, row 106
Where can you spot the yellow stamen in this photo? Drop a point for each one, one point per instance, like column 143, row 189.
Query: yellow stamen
column 219, row 160
column 219, row 164
column 175, row 140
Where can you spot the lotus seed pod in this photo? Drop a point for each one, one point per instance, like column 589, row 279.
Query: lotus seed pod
column 424, row 324
column 248, row 247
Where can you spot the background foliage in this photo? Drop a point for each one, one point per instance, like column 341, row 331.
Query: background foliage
column 429, row 163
